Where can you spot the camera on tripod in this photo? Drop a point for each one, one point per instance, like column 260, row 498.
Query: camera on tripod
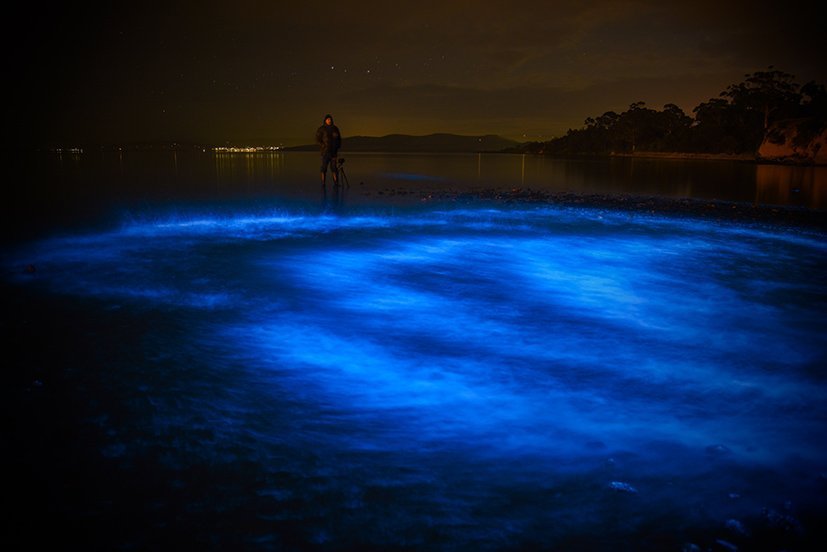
column 340, row 162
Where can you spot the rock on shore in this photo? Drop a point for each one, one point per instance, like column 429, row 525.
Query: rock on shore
column 795, row 141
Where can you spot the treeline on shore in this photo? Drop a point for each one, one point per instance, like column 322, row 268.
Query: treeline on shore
column 736, row 122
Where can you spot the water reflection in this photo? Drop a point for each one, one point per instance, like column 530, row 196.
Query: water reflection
column 335, row 198
column 248, row 166
column 294, row 174
column 50, row 191
column 786, row 185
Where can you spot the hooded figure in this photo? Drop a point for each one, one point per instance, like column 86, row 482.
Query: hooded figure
column 329, row 140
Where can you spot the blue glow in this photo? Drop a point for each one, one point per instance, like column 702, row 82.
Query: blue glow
column 461, row 352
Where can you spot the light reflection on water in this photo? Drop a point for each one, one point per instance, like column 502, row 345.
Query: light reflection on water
column 463, row 377
column 50, row 193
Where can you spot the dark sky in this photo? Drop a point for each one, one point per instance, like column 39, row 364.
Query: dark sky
column 267, row 72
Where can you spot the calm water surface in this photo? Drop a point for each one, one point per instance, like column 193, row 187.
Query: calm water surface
column 49, row 191
column 205, row 353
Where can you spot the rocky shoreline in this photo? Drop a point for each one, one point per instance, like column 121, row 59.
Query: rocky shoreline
column 746, row 157
column 714, row 210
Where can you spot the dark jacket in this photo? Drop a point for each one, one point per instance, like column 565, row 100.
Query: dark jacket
column 329, row 139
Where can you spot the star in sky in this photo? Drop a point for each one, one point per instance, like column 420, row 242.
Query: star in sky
column 268, row 71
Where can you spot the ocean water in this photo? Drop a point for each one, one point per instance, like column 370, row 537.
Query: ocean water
column 51, row 193
column 439, row 376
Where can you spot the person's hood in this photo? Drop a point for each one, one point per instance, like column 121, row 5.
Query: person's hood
column 328, row 116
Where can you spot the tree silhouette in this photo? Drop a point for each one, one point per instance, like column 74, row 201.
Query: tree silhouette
column 771, row 93
column 737, row 121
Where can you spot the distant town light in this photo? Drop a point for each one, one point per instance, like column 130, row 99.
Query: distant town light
column 245, row 149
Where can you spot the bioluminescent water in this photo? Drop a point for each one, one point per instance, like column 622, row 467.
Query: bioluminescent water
column 488, row 377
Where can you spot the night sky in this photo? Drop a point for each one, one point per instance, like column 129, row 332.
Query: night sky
column 267, row 72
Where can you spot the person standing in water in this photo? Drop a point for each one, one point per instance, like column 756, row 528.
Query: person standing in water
column 330, row 140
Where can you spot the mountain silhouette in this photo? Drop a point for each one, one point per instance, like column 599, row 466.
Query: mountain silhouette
column 431, row 143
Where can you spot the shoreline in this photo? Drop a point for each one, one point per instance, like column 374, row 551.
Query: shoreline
column 743, row 157
column 682, row 156
column 702, row 209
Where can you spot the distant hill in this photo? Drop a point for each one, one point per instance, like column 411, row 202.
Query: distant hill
column 432, row 143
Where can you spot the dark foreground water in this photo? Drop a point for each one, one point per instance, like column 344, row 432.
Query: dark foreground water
column 207, row 356
column 435, row 378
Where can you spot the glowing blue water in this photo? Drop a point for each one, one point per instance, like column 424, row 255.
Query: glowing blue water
column 481, row 378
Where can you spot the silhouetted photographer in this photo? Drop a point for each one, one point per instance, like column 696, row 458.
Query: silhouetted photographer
column 330, row 140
